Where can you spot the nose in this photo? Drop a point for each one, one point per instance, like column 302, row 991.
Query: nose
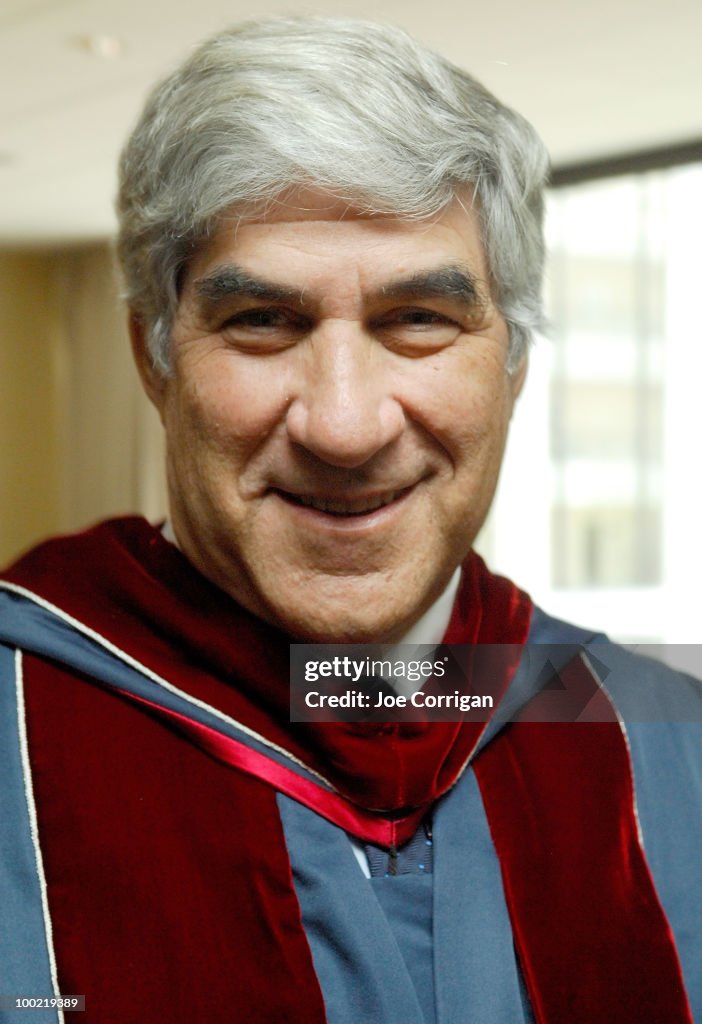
column 344, row 410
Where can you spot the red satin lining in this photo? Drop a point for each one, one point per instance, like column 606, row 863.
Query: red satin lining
column 364, row 826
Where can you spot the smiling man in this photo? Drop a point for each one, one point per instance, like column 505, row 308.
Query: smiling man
column 331, row 243
column 336, row 411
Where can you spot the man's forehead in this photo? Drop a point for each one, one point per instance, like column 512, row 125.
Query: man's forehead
column 310, row 235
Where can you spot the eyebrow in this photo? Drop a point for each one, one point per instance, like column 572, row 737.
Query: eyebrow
column 225, row 282
column 451, row 281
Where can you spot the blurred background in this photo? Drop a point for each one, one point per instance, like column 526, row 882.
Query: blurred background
column 599, row 508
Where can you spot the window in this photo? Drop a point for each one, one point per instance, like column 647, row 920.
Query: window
column 599, row 511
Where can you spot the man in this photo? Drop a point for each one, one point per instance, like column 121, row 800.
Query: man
column 331, row 240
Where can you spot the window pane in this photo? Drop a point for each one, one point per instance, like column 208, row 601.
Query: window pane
column 607, row 281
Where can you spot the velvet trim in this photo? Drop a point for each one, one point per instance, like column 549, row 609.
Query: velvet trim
column 591, row 935
column 140, row 593
column 168, row 879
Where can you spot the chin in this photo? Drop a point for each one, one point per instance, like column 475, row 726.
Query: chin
column 345, row 633
column 343, row 626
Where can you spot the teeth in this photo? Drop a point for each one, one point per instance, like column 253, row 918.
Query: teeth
column 345, row 508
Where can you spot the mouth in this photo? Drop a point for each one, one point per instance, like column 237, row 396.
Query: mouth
column 344, row 508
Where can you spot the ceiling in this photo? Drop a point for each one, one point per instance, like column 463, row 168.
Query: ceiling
column 596, row 80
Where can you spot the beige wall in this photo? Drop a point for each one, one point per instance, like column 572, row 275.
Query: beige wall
column 78, row 441
column 29, row 416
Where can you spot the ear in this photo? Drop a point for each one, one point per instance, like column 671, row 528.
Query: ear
column 152, row 378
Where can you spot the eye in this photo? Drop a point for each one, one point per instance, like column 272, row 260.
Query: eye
column 419, row 317
column 417, row 329
column 264, row 327
column 261, row 318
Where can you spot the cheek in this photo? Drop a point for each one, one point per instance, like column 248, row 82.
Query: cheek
column 229, row 406
column 464, row 406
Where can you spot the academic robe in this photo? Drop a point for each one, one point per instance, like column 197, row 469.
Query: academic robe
column 175, row 849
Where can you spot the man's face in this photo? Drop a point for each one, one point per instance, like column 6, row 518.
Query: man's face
column 336, row 413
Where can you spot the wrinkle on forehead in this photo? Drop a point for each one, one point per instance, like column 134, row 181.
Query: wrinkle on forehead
column 310, row 242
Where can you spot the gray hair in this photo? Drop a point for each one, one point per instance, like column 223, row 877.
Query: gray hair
column 357, row 109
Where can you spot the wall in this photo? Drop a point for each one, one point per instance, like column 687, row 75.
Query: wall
column 79, row 440
column 30, row 486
